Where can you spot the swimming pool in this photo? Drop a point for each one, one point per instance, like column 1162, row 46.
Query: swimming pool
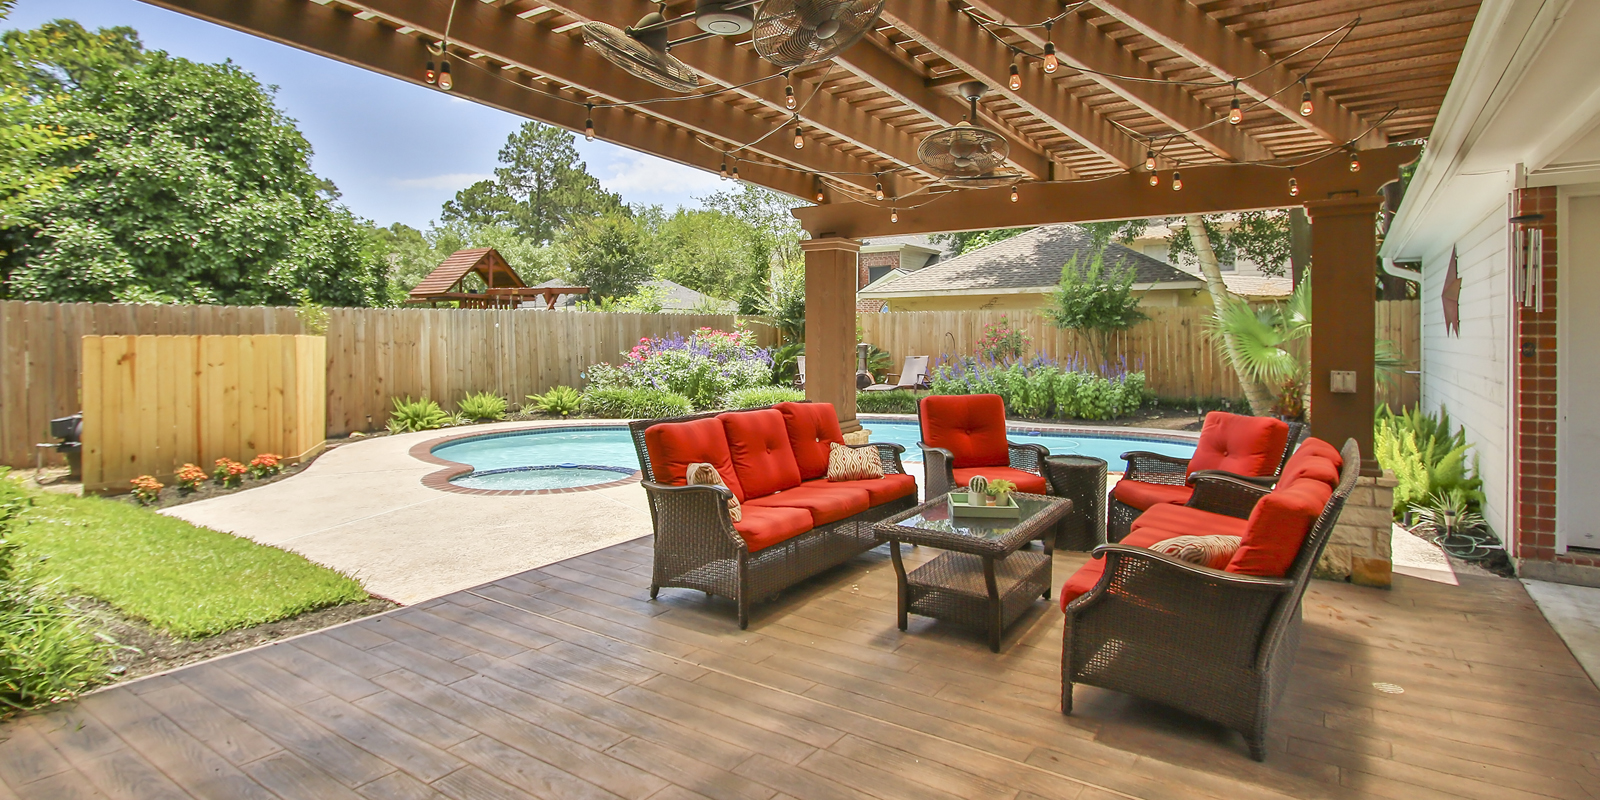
column 545, row 459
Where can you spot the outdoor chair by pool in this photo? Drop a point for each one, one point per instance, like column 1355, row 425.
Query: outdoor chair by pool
column 800, row 372
column 1216, row 641
column 1250, row 448
column 794, row 522
column 965, row 435
column 914, row 375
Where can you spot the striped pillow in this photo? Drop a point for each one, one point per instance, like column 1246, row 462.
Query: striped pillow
column 1214, row 551
column 847, row 463
column 703, row 474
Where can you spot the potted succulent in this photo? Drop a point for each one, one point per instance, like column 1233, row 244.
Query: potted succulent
column 977, row 491
column 1001, row 490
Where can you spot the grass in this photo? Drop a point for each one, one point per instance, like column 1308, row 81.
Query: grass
column 187, row 580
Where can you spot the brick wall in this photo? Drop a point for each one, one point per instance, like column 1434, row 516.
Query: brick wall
column 1534, row 431
column 870, row 260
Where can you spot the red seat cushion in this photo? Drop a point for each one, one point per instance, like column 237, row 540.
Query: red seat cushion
column 1185, row 521
column 758, row 443
column 812, row 427
column 1144, row 496
column 879, row 490
column 1026, row 482
column 824, row 503
column 765, row 527
column 673, row 446
column 1278, row 527
column 1314, row 459
column 971, row 426
column 1089, row 574
column 1243, row 445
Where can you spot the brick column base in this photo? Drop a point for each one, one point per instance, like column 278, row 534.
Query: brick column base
column 1358, row 549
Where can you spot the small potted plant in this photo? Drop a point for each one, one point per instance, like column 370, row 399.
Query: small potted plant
column 1000, row 490
column 977, row 491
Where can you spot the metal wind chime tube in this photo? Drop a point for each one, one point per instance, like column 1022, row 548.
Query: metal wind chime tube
column 1527, row 260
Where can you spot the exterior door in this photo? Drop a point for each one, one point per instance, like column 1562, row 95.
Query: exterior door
column 1578, row 457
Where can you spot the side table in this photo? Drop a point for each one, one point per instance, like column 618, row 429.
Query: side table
column 1081, row 479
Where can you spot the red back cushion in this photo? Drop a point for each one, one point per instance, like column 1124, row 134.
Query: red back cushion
column 759, row 445
column 1278, row 526
column 1243, row 445
column 812, row 427
column 1314, row 459
column 971, row 426
column 673, row 446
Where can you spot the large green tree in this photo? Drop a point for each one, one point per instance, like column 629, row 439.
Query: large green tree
column 610, row 255
column 187, row 184
column 540, row 187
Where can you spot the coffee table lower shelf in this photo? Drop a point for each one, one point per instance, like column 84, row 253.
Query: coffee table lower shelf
column 977, row 590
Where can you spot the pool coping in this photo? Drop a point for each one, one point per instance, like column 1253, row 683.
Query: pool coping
column 440, row 479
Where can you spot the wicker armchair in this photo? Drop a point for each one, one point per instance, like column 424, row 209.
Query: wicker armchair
column 696, row 546
column 1215, row 644
column 1148, row 467
column 976, row 426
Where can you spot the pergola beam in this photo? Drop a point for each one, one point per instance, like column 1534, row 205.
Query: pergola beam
column 1082, row 46
column 1189, row 32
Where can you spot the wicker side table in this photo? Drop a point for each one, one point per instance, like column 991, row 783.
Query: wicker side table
column 1081, row 479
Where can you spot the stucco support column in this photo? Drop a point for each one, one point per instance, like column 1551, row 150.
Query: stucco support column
column 831, row 324
column 1343, row 315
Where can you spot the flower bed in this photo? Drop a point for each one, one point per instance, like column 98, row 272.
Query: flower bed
column 704, row 367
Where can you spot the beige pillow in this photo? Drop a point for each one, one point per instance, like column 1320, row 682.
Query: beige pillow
column 1214, row 551
column 703, row 474
column 846, row 463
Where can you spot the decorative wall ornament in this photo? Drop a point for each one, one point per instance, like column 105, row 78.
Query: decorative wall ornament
column 1452, row 298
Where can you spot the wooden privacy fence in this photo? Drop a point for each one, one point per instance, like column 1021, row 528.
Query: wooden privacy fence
column 373, row 353
column 154, row 403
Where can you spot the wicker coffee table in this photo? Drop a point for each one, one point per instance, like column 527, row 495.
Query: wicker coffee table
column 984, row 579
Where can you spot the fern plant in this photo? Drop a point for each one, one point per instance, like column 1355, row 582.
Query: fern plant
column 483, row 406
column 416, row 415
column 560, row 401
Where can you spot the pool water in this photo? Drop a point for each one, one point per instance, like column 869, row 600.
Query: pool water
column 570, row 457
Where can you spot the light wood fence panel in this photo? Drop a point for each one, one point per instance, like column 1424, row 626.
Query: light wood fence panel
column 154, row 403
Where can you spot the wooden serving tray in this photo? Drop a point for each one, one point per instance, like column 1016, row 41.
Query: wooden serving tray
column 959, row 508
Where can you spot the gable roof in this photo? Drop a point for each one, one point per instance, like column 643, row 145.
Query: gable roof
column 1030, row 262
column 449, row 272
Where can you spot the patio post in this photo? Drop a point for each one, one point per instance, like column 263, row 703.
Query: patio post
column 1343, row 314
column 831, row 324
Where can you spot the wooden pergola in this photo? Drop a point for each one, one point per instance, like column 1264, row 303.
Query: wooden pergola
column 1138, row 80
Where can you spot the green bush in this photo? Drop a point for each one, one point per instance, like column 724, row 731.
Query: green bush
column 416, row 415
column 483, row 405
column 1041, row 388
column 758, row 396
column 898, row 401
column 634, row 404
column 560, row 401
column 1428, row 456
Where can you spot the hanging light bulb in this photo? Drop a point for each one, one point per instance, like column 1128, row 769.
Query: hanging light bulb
column 788, row 97
column 820, row 196
column 588, row 124
column 1051, row 63
column 894, row 215
column 1355, row 161
column 1016, row 78
column 1294, row 187
column 736, row 172
column 879, row 192
column 445, row 81
column 1177, row 182
column 1150, row 160
column 1014, row 195
column 1235, row 113
column 1155, row 180
column 799, row 138
column 1305, row 99
column 429, row 74
column 724, row 171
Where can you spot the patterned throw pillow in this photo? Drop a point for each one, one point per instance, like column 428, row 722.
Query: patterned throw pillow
column 1214, row 551
column 703, row 474
column 847, row 463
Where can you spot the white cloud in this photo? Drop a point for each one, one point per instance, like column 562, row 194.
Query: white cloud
column 452, row 182
column 637, row 175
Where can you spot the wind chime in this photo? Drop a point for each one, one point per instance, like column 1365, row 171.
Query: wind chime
column 1527, row 260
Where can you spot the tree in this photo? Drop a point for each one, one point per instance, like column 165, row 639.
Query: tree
column 1091, row 300
column 710, row 251
column 967, row 241
column 541, row 187
column 1260, row 236
column 608, row 254
column 1258, row 395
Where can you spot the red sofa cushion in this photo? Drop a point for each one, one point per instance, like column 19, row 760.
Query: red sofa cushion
column 1089, row 574
column 879, row 490
column 1278, row 527
column 812, row 427
column 759, row 445
column 1314, row 459
column 971, row 426
column 1145, row 496
column 765, row 527
column 1185, row 521
column 1243, row 445
column 673, row 446
column 1026, row 482
column 825, row 504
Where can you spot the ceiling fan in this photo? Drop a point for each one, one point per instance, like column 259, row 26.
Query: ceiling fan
column 641, row 50
column 965, row 152
column 796, row 33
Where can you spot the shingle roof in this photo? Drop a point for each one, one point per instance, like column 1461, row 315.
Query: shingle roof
column 1258, row 285
column 454, row 269
column 1030, row 260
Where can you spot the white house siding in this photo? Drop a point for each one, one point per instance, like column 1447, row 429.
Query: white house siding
column 1468, row 375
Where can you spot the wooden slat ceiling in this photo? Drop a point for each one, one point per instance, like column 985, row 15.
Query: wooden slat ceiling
column 1383, row 83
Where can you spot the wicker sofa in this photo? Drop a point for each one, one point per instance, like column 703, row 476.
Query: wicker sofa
column 795, row 523
column 1217, row 643
column 1249, row 448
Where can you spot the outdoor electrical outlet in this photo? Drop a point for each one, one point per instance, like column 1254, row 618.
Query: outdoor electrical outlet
column 1342, row 381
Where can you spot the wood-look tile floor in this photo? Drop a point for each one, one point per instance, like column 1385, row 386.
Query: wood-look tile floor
column 567, row 682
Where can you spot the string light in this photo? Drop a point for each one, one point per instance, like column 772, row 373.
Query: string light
column 1014, row 195
column 1177, row 182
column 879, row 192
column 1051, row 63
column 429, row 74
column 445, row 81
column 1155, row 180
column 788, row 97
column 736, row 172
column 1294, row 187
column 1235, row 113
column 1355, row 161
column 799, row 137
column 724, row 170
column 1305, row 99
column 820, row 196
column 588, row 124
column 894, row 215
column 1016, row 77
column 1150, row 160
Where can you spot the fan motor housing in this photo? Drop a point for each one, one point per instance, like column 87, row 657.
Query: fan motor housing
column 714, row 16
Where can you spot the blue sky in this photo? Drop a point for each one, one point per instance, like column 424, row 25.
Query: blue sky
column 395, row 150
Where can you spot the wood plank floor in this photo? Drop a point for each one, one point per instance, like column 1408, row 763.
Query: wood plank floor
column 567, row 682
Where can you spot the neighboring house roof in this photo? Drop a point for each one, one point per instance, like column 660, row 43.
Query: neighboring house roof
column 678, row 296
column 1027, row 263
column 482, row 260
column 921, row 240
column 1258, row 285
column 885, row 279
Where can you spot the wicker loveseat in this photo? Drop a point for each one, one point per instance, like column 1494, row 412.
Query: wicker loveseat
column 1217, row 643
column 1253, row 448
column 795, row 523
column 965, row 435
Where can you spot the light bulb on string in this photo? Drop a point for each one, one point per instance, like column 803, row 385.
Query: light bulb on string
column 1235, row 113
column 588, row 123
column 445, row 81
column 1051, row 63
column 1294, row 187
column 429, row 74
column 1177, row 182
column 1305, row 99
column 1016, row 78
column 1155, row 180
column 879, row 191
column 1015, row 197
column 1150, row 160
column 788, row 97
column 894, row 215
column 820, row 196
column 736, row 172
column 799, row 138
column 724, row 171
column 1355, row 161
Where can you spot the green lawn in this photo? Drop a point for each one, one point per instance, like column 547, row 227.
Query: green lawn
column 190, row 581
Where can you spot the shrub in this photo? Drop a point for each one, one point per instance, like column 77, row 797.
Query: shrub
column 265, row 465
column 146, row 489
column 1000, row 342
column 561, row 401
column 634, row 404
column 895, row 402
column 483, row 405
column 229, row 472
column 189, row 478
column 704, row 367
column 758, row 396
column 416, row 415
column 1428, row 456
column 1041, row 388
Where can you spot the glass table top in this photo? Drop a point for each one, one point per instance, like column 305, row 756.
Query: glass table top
column 936, row 516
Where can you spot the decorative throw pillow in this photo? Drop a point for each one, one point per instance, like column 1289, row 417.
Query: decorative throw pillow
column 703, row 474
column 1214, row 551
column 847, row 463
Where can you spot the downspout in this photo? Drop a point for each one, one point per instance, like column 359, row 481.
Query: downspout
column 1400, row 272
